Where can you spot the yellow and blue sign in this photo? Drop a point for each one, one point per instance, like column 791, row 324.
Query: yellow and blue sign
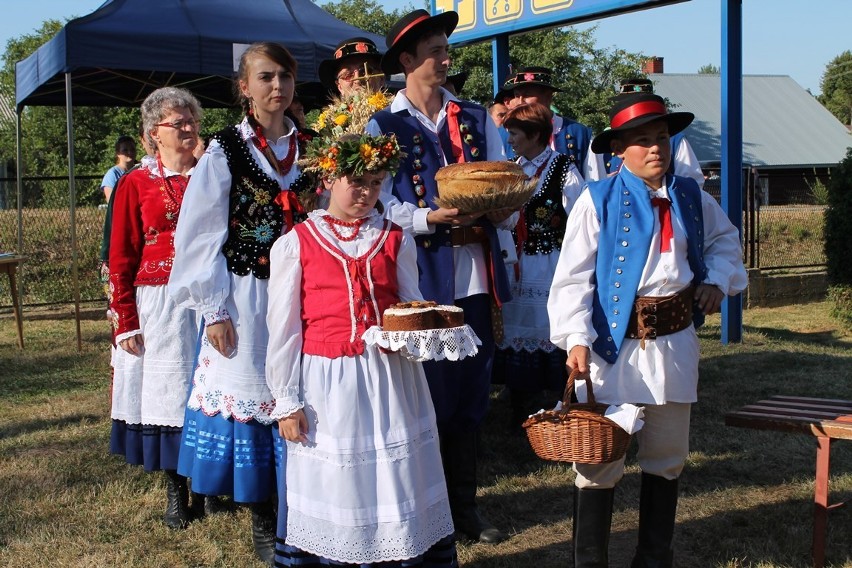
column 483, row 19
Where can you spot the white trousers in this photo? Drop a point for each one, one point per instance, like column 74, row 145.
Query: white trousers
column 663, row 448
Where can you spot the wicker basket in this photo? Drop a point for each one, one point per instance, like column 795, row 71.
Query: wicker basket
column 578, row 432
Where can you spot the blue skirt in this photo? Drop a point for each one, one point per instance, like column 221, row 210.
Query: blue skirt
column 442, row 554
column 152, row 447
column 228, row 457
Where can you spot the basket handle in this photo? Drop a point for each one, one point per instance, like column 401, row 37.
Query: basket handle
column 569, row 387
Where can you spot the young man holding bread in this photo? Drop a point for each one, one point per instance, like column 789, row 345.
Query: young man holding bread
column 458, row 254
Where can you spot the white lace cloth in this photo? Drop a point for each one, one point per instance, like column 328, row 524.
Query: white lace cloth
column 454, row 343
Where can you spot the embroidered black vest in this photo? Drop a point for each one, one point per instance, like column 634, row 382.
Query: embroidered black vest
column 254, row 220
column 545, row 216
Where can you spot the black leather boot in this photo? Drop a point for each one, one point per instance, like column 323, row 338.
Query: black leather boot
column 458, row 451
column 177, row 506
column 204, row 505
column 263, row 526
column 592, row 522
column 657, row 508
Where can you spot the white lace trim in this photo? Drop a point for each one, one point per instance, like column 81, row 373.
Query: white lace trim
column 377, row 542
column 453, row 343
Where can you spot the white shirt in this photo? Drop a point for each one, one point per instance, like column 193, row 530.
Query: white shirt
column 666, row 370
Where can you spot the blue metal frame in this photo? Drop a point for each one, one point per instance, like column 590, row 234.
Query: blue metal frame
column 731, row 97
column 732, row 147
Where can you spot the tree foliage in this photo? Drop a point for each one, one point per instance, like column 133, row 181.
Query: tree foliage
column 836, row 87
column 366, row 14
column 838, row 246
column 709, row 69
column 44, row 129
column 586, row 74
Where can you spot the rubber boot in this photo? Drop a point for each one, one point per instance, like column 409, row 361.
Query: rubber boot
column 263, row 525
column 592, row 522
column 657, row 509
column 458, row 451
column 177, row 505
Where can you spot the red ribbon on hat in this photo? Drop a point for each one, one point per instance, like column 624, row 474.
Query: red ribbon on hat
column 666, row 232
column 408, row 27
column 635, row 111
column 453, row 111
column 289, row 202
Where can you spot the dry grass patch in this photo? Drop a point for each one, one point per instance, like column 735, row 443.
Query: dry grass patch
column 746, row 496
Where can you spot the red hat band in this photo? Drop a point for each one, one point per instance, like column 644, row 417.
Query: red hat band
column 409, row 26
column 635, row 111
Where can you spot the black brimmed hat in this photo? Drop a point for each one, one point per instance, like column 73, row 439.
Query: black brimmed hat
column 636, row 85
column 540, row 76
column 458, row 80
column 411, row 26
column 346, row 49
column 635, row 109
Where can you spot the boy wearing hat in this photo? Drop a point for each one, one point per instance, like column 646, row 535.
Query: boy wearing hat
column 646, row 255
column 535, row 85
column 684, row 162
column 353, row 66
column 458, row 255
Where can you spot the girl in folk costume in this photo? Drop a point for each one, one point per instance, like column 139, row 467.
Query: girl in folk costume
column 237, row 205
column 155, row 338
column 364, row 478
column 526, row 355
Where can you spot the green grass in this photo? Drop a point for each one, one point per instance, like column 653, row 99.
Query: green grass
column 746, row 496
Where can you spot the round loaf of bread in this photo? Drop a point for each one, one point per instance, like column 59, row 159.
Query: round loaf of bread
column 482, row 186
column 477, row 178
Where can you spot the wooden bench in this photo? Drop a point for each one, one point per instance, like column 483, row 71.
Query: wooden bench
column 9, row 264
column 826, row 420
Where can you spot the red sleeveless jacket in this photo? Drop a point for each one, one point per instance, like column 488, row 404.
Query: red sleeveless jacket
column 343, row 296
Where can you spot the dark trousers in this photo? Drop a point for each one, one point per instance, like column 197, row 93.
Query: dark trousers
column 460, row 389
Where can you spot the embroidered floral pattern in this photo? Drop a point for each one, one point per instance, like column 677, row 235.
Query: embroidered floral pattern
column 544, row 213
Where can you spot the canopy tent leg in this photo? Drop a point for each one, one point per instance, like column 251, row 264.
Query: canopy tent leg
column 72, row 194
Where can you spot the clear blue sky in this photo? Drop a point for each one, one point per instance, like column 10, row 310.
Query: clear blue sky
column 780, row 37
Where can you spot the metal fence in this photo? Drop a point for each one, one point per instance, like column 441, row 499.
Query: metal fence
column 44, row 222
column 775, row 236
column 783, row 232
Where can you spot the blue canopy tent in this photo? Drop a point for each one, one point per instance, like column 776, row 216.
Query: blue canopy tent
column 125, row 49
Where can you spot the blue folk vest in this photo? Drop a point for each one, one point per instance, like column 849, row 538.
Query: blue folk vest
column 623, row 205
column 415, row 183
column 573, row 140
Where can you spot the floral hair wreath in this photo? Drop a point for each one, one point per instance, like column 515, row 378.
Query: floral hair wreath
column 352, row 155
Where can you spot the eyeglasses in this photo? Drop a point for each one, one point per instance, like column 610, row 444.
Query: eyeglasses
column 181, row 124
column 362, row 74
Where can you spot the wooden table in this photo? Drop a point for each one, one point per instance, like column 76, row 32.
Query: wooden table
column 9, row 265
column 826, row 420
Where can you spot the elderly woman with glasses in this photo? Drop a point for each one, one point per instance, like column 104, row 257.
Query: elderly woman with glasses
column 155, row 338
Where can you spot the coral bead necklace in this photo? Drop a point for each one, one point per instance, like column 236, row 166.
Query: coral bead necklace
column 354, row 226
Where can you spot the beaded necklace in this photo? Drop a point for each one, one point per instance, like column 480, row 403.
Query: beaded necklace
column 170, row 197
column 355, row 226
column 285, row 164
